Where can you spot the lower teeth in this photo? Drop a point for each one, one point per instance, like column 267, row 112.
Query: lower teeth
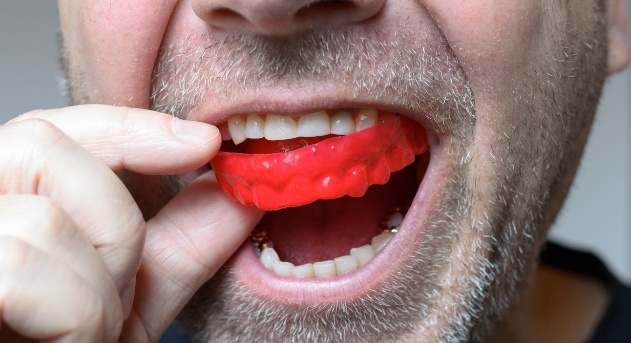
column 357, row 258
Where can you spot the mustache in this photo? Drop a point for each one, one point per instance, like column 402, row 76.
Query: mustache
column 418, row 70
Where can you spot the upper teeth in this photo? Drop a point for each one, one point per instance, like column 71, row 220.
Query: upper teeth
column 277, row 127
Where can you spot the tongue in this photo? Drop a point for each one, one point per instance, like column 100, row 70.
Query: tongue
column 327, row 229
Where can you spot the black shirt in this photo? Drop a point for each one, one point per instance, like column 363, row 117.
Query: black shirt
column 615, row 325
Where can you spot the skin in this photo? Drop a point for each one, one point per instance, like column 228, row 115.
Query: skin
column 137, row 261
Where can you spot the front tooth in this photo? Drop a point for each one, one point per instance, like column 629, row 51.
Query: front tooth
column 379, row 241
column 345, row 264
column 363, row 254
column 279, row 128
column 324, row 269
column 342, row 123
column 268, row 257
column 305, row 270
column 314, row 125
column 236, row 127
column 283, row 268
column 254, row 127
column 366, row 118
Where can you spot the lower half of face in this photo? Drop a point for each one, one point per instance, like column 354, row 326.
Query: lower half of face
column 434, row 251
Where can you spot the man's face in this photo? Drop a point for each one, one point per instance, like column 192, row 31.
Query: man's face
column 505, row 90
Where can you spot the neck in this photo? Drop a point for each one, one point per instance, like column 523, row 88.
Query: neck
column 558, row 307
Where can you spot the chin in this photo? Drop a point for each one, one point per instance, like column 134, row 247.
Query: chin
column 375, row 242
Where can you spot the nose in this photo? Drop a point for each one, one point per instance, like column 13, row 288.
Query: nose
column 283, row 17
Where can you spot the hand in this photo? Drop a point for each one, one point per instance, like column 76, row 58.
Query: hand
column 72, row 237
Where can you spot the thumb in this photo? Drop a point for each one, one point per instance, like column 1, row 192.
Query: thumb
column 187, row 242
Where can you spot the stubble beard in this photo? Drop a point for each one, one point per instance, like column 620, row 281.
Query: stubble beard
column 478, row 252
column 224, row 310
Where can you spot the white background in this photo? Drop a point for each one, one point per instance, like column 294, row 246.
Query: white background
column 596, row 217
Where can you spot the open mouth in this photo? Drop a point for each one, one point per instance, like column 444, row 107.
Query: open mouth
column 337, row 185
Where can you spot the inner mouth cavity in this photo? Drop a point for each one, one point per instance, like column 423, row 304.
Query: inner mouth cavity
column 328, row 238
column 357, row 258
column 301, row 168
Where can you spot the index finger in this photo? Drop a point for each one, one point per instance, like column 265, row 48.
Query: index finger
column 139, row 140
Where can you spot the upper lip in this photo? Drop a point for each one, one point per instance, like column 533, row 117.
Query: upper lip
column 277, row 102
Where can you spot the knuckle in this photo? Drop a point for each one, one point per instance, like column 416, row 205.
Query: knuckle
column 28, row 115
column 51, row 218
column 30, row 138
column 34, row 214
column 15, row 255
column 36, row 127
column 32, row 144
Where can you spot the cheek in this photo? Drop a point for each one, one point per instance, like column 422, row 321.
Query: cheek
column 113, row 46
column 497, row 43
column 493, row 39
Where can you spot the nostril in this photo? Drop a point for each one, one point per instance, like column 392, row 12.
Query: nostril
column 225, row 13
column 284, row 17
column 325, row 7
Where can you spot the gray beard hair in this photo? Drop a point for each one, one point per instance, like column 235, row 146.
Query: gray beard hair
column 225, row 311
column 556, row 105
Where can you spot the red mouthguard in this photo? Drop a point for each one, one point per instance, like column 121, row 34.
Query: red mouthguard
column 329, row 169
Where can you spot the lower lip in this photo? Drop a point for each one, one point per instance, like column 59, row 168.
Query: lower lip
column 251, row 273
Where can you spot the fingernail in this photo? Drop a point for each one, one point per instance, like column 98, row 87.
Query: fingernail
column 194, row 132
